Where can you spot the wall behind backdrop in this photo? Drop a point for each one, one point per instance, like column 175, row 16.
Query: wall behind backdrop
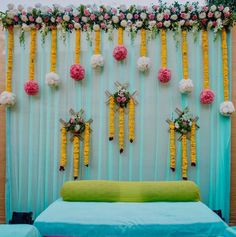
column 33, row 128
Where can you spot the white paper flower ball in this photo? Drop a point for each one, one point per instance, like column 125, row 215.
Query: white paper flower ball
column 52, row 79
column 7, row 98
column 227, row 108
column 186, row 86
column 143, row 64
column 97, row 61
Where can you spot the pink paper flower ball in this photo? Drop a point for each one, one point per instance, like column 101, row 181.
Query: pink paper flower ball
column 207, row 96
column 31, row 87
column 120, row 52
column 77, row 72
column 164, row 75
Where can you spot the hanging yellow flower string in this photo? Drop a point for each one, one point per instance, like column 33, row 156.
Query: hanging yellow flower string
column 31, row 86
column 121, row 129
column 77, row 46
column 120, row 51
column 63, row 160
column 120, row 36
column 97, row 48
column 193, row 144
column 185, row 85
column 184, row 157
column 76, row 142
column 131, row 120
column 172, row 145
column 7, row 98
column 111, row 118
column 97, row 60
column 143, row 45
column 86, row 144
column 227, row 107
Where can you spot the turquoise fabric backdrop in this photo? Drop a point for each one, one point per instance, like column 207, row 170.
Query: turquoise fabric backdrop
column 33, row 128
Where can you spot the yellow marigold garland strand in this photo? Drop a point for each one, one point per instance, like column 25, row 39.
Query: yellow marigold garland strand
column 54, row 50
column 120, row 36
column 10, row 60
column 143, row 46
column 97, row 48
column 77, row 46
column 193, row 144
column 184, row 157
column 205, row 59
column 121, row 129
column 33, row 33
column 111, row 117
column 76, row 142
column 131, row 120
column 86, row 144
column 163, row 49
column 225, row 65
column 172, row 146
column 185, row 54
column 63, row 160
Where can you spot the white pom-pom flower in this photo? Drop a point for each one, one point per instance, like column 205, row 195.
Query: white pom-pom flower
column 97, row 61
column 143, row 64
column 52, row 79
column 186, row 86
column 7, row 98
column 227, row 108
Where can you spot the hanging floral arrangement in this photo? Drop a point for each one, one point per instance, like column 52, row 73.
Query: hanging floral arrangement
column 186, row 84
column 207, row 95
column 120, row 51
column 143, row 62
column 31, row 86
column 7, row 97
column 164, row 74
column 226, row 107
column 97, row 60
column 120, row 101
column 185, row 125
column 52, row 78
column 77, row 71
column 80, row 131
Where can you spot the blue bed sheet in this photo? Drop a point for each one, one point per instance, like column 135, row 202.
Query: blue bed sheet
column 18, row 231
column 154, row 219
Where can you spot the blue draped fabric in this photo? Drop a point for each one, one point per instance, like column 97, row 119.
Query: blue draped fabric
column 33, row 128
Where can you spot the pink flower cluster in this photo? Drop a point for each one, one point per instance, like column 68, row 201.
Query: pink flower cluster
column 207, row 96
column 77, row 72
column 164, row 75
column 31, row 87
column 121, row 99
column 120, row 52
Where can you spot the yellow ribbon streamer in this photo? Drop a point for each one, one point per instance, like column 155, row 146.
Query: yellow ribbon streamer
column 225, row 65
column 76, row 157
column 121, row 129
column 111, row 117
column 63, row 160
column 163, row 49
column 184, row 157
column 77, row 46
column 185, row 54
column 120, row 36
column 205, row 59
column 131, row 120
column 97, row 48
column 143, row 46
column 10, row 59
column 193, row 144
column 54, row 50
column 172, row 145
column 86, row 144
column 33, row 33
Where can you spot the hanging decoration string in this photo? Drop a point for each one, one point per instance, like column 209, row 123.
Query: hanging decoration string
column 97, row 61
column 97, row 48
column 76, row 142
column 86, row 144
column 184, row 157
column 131, row 120
column 193, row 144
column 143, row 46
column 120, row 52
column 63, row 160
column 111, row 118
column 121, row 129
column 77, row 46
column 120, row 36
column 172, row 146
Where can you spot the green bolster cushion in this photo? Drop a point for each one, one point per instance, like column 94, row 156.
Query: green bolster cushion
column 128, row 191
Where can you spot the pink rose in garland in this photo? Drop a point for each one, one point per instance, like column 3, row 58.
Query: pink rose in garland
column 77, row 72
column 31, row 87
column 120, row 52
column 164, row 75
column 207, row 96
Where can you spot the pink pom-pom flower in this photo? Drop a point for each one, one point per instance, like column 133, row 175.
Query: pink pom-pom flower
column 31, row 87
column 120, row 52
column 207, row 96
column 77, row 72
column 164, row 75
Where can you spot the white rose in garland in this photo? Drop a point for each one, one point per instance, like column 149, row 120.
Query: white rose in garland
column 143, row 64
column 227, row 108
column 186, row 86
column 97, row 60
column 52, row 79
column 7, row 98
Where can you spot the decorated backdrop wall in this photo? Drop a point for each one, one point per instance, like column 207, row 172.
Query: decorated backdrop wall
column 33, row 128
